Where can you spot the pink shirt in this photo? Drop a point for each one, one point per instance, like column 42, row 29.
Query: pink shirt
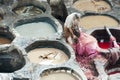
column 86, row 45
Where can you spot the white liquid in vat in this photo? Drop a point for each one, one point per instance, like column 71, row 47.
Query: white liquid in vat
column 47, row 56
column 89, row 22
column 40, row 29
column 59, row 76
column 94, row 6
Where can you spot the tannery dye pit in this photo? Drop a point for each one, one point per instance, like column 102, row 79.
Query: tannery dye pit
column 28, row 10
column 59, row 76
column 96, row 21
column 34, row 46
column 92, row 6
column 38, row 29
column 61, row 73
column 47, row 56
column 6, row 37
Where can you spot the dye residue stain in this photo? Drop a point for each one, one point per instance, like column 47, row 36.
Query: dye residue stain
column 40, row 29
column 47, row 56
column 59, row 76
column 4, row 40
column 105, row 45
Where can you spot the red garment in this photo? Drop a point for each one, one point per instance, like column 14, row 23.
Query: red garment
column 86, row 45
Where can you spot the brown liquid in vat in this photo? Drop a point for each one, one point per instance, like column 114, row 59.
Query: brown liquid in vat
column 4, row 40
column 89, row 22
column 94, row 6
column 47, row 56
column 59, row 76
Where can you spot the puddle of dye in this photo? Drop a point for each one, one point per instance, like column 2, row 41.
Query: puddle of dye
column 95, row 21
column 94, row 6
column 4, row 40
column 47, row 56
column 105, row 45
column 59, row 76
column 40, row 29
column 28, row 10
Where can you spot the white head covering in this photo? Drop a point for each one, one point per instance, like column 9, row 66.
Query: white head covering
column 70, row 19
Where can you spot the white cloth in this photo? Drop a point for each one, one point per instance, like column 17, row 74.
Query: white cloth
column 70, row 19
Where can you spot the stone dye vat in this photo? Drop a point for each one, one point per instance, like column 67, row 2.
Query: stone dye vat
column 60, row 73
column 47, row 56
column 41, row 27
column 28, row 11
column 11, row 59
column 6, row 37
column 103, row 38
column 48, row 53
column 95, row 21
column 30, row 8
column 100, row 6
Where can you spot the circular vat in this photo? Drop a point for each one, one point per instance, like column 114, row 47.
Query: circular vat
column 6, row 37
column 11, row 60
column 40, row 27
column 96, row 6
column 90, row 21
column 30, row 8
column 48, row 52
column 60, row 73
column 103, row 37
